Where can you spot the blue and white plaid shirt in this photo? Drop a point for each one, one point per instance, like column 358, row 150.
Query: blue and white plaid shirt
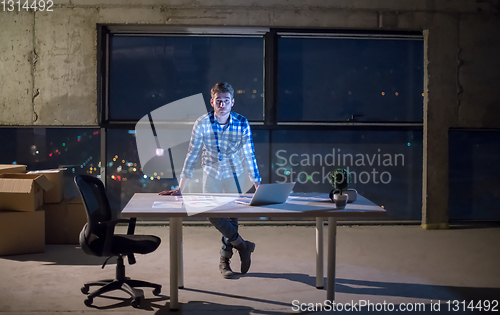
column 225, row 148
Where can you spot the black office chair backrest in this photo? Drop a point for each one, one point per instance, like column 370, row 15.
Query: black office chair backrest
column 98, row 210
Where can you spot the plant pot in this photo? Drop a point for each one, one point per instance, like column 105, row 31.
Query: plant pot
column 352, row 194
column 340, row 200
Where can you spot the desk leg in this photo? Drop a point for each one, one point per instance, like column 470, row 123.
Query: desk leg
column 319, row 254
column 174, row 263
column 180, row 255
column 332, row 239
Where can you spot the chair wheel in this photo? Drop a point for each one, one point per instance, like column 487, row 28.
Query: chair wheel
column 85, row 289
column 88, row 301
column 136, row 303
column 157, row 291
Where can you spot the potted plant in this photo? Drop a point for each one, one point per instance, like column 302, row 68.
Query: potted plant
column 340, row 180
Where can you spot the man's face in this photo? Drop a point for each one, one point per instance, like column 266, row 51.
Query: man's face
column 222, row 103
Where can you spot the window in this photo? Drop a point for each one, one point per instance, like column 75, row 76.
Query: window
column 75, row 149
column 386, row 166
column 474, row 174
column 126, row 177
column 331, row 78
column 147, row 72
column 314, row 83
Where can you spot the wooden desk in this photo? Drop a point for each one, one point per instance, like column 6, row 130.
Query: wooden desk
column 141, row 205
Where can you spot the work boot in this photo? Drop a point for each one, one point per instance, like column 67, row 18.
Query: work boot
column 245, row 249
column 225, row 269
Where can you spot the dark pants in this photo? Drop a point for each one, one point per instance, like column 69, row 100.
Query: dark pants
column 227, row 226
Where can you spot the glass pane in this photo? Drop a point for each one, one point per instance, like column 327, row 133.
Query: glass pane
column 331, row 79
column 262, row 153
column 386, row 166
column 76, row 149
column 124, row 172
column 147, row 72
column 125, row 175
column 474, row 175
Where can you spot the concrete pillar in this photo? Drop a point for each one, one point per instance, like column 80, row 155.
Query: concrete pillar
column 440, row 111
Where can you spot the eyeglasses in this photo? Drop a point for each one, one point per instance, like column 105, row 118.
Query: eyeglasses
column 224, row 101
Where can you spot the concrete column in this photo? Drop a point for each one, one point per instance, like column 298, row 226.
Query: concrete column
column 440, row 111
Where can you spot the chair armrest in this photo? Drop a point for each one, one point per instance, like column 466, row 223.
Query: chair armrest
column 112, row 223
column 131, row 224
column 110, row 231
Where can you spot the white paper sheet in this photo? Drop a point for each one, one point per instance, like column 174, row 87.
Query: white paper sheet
column 167, row 204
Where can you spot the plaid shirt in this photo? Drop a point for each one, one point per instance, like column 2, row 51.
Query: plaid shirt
column 225, row 148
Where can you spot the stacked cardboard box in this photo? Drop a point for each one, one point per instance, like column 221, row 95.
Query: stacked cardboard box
column 22, row 232
column 64, row 221
column 22, row 192
column 10, row 168
column 64, row 218
column 55, row 176
column 22, row 218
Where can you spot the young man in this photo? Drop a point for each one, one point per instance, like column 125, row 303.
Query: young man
column 225, row 139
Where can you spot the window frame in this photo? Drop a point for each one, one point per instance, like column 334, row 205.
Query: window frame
column 106, row 31
column 270, row 37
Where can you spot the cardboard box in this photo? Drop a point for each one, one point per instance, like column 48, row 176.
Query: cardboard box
column 64, row 221
column 22, row 232
column 55, row 194
column 11, row 168
column 22, row 192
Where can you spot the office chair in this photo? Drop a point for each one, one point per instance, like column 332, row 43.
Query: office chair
column 97, row 238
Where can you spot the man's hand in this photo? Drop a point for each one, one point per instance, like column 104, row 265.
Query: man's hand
column 174, row 192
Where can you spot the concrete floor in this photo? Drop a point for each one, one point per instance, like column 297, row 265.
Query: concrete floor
column 395, row 264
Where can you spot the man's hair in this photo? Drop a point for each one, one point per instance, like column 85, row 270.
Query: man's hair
column 222, row 87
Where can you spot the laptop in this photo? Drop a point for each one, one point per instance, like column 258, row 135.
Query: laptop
column 268, row 194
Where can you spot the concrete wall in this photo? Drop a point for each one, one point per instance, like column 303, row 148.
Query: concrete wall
column 48, row 59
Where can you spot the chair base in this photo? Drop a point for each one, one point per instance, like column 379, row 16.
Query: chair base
column 120, row 283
